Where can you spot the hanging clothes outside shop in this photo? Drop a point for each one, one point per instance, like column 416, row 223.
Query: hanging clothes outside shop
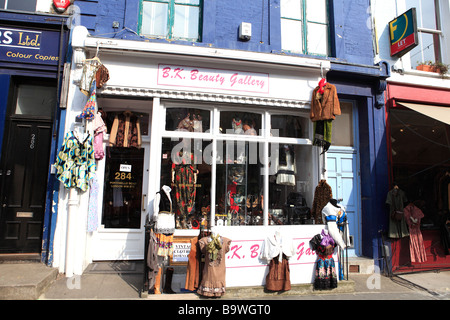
column 413, row 216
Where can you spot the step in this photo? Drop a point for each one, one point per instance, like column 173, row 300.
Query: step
column 360, row 265
column 25, row 281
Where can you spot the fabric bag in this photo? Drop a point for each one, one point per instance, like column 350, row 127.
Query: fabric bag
column 396, row 214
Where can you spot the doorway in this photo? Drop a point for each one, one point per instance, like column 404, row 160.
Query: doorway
column 24, row 166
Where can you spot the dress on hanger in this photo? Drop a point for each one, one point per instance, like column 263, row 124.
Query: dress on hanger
column 322, row 195
column 278, row 249
column 75, row 163
column 413, row 215
column 396, row 198
column 213, row 277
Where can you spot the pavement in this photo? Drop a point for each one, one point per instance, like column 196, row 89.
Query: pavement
column 124, row 281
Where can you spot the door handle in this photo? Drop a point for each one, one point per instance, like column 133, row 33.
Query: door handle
column 144, row 207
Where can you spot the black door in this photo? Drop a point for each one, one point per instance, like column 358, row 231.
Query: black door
column 24, row 184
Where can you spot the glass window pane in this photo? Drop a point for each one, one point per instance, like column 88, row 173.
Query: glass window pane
column 240, row 123
column 154, row 19
column 186, row 22
column 122, row 195
column 290, row 186
column 22, row 5
column 426, row 12
column 189, row 176
column 143, row 118
column 291, row 35
column 35, row 100
column 425, row 51
column 289, row 126
column 316, row 10
column 193, row 2
column 317, row 39
column 187, row 119
column 239, row 184
column 291, row 9
column 344, row 135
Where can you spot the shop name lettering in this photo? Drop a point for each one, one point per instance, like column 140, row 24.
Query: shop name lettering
column 29, row 40
column 238, row 252
column 213, row 79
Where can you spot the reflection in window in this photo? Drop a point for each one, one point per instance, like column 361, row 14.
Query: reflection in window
column 289, row 126
column 185, row 119
column 35, row 100
column 189, row 176
column 290, row 185
column 239, row 184
column 240, row 123
column 122, row 194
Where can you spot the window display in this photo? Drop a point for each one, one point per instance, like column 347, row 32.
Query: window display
column 238, row 186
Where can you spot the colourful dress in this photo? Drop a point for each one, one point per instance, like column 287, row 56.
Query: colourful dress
column 75, row 163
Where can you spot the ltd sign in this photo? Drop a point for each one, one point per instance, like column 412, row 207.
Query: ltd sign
column 403, row 33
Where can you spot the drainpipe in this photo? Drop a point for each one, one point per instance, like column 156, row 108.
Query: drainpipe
column 71, row 231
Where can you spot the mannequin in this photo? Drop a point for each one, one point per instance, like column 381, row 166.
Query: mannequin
column 330, row 214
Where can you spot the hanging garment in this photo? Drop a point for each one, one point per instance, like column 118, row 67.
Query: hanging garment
column 193, row 266
column 125, row 131
column 213, row 277
column 286, row 168
column 184, row 177
column 89, row 70
column 413, row 216
column 99, row 128
column 278, row 249
column 396, row 198
column 322, row 195
column 325, row 106
column 92, row 222
column 152, row 260
column 75, row 163
column 101, row 76
column 88, row 112
column 165, row 244
column 325, row 273
column 322, row 134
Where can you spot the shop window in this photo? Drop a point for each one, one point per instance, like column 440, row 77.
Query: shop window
column 239, row 184
column 290, row 184
column 420, row 152
column 289, row 126
column 21, row 5
column 429, row 33
column 244, row 123
column 35, row 100
column 171, row 19
column 143, row 118
column 187, row 119
column 183, row 169
column 304, row 26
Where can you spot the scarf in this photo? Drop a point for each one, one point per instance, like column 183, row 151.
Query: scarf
column 213, row 247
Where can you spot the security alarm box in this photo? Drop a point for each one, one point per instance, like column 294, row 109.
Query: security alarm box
column 245, row 31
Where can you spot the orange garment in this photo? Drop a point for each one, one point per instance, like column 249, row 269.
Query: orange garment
column 193, row 267
column 326, row 106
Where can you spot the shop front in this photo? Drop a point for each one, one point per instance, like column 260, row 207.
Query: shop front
column 419, row 162
column 229, row 135
column 32, row 53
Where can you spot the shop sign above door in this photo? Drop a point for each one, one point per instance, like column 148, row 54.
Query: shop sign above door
column 403, row 33
column 29, row 46
column 216, row 79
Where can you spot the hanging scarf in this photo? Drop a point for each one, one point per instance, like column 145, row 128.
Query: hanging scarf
column 213, row 247
column 322, row 84
column 88, row 112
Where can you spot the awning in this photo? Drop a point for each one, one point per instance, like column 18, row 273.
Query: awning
column 439, row 113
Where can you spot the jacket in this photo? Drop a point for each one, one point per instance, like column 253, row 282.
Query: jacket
column 327, row 107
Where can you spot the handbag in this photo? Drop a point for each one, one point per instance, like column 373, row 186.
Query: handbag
column 396, row 214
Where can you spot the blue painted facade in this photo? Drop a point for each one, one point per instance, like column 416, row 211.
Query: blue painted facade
column 352, row 70
column 36, row 70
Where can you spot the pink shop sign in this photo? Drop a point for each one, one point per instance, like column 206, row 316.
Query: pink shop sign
column 215, row 79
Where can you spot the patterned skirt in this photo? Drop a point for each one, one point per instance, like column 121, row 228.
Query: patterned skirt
column 326, row 276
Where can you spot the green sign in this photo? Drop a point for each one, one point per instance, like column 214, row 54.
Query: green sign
column 403, row 33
